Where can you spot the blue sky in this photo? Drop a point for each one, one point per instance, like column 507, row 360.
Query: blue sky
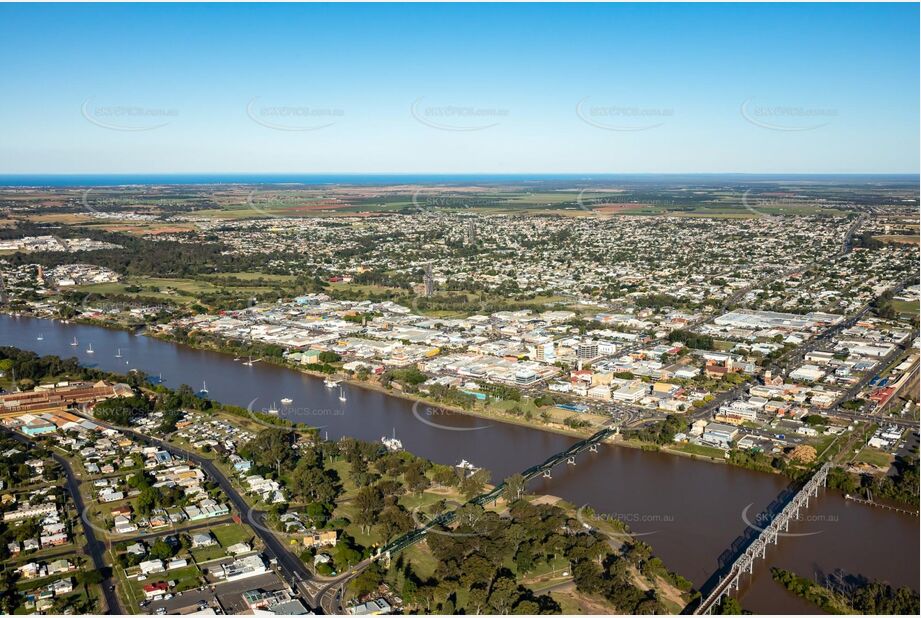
column 413, row 88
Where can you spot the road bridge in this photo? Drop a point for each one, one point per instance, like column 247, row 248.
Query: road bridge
column 541, row 469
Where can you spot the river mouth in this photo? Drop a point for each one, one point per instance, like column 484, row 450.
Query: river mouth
column 689, row 511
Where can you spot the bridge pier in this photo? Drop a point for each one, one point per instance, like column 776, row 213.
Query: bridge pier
column 769, row 534
column 547, row 474
column 593, row 448
column 571, row 461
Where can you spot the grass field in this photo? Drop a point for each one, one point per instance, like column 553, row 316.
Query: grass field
column 231, row 534
column 874, row 457
column 159, row 289
column 253, row 276
column 204, row 554
column 424, row 563
column 365, row 289
column 899, row 239
column 905, row 306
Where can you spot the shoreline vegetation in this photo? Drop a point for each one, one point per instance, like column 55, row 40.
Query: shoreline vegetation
column 850, row 594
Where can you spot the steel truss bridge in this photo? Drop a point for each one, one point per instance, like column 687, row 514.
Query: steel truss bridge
column 780, row 523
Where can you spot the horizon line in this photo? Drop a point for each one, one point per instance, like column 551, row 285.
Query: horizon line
column 403, row 173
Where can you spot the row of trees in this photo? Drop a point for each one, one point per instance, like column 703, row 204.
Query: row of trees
column 855, row 596
column 900, row 487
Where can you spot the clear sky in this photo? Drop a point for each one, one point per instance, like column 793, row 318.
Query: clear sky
column 171, row 88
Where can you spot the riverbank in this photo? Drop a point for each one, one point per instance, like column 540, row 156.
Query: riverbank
column 417, row 399
column 396, row 393
column 422, row 408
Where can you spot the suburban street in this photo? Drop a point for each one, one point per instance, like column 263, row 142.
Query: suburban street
column 94, row 548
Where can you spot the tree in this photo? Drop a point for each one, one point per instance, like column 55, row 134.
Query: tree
column 477, row 599
column 368, row 580
column 314, row 483
column 369, row 501
column 346, row 553
column 473, row 485
column 503, row 595
column 147, row 500
column 526, row 608
column 728, row 606
column 514, row 488
column 329, row 357
column 395, row 520
column 161, row 550
column 415, row 478
column 272, row 448
column 444, row 475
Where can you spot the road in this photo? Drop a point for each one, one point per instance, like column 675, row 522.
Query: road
column 95, row 548
column 289, row 566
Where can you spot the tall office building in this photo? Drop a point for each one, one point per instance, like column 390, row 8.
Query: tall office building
column 428, row 280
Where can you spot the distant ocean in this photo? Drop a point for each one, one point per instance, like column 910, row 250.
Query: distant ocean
column 115, row 180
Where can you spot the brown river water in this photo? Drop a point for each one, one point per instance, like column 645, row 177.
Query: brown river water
column 689, row 511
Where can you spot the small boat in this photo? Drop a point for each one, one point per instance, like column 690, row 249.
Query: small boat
column 330, row 383
column 341, row 394
column 466, row 468
column 392, row 444
column 273, row 410
column 90, row 349
column 204, row 388
column 249, row 363
column 40, row 337
column 74, row 343
column 119, row 353
column 286, row 401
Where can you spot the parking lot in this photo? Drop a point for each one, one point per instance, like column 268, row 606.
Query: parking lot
column 223, row 597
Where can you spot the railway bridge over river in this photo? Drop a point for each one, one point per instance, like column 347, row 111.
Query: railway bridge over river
column 743, row 564
column 780, row 523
